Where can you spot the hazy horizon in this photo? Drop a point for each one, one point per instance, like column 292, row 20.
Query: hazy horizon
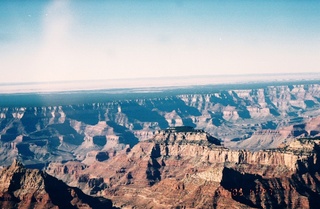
column 54, row 40
column 154, row 82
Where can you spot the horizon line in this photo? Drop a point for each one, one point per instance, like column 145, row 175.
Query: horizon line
column 156, row 78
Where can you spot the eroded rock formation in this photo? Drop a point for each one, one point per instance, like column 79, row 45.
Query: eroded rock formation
column 31, row 188
column 190, row 169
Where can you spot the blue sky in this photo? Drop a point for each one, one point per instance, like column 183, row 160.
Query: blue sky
column 86, row 40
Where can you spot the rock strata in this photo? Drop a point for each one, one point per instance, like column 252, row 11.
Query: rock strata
column 31, row 188
column 51, row 131
column 187, row 169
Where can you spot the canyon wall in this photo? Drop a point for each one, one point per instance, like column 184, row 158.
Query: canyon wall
column 32, row 188
column 191, row 170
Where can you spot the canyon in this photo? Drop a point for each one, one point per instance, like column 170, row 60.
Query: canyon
column 191, row 169
column 250, row 118
column 250, row 147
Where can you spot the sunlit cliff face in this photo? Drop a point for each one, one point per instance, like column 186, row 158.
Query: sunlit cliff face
column 187, row 166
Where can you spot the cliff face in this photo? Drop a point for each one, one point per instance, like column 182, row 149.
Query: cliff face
column 192, row 170
column 31, row 188
column 81, row 131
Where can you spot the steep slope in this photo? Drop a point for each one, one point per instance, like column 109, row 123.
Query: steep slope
column 190, row 169
column 31, row 188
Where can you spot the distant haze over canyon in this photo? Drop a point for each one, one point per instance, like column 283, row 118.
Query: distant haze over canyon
column 153, row 83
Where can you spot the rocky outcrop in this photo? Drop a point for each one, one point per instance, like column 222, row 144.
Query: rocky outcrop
column 31, row 188
column 299, row 189
column 184, row 134
column 187, row 169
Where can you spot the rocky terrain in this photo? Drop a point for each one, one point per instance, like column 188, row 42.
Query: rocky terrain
column 185, row 168
column 31, row 188
column 267, row 138
column 253, row 117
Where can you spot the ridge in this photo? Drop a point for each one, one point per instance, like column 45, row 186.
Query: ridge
column 31, row 188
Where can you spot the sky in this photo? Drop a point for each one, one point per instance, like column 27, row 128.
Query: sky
column 72, row 40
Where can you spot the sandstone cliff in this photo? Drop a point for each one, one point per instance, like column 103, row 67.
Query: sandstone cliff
column 31, row 188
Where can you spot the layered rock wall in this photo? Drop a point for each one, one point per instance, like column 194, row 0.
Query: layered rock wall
column 157, row 172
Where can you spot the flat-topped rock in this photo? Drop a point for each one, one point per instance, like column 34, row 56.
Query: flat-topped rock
column 184, row 133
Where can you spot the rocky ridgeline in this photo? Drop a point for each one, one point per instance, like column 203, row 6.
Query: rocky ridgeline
column 31, row 188
column 184, row 169
column 69, row 132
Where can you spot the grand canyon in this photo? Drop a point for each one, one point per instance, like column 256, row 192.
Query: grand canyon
column 159, row 104
column 244, row 146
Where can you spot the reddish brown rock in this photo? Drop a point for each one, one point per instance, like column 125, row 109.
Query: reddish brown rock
column 30, row 188
column 187, row 170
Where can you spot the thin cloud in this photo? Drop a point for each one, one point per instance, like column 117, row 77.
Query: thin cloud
column 54, row 51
